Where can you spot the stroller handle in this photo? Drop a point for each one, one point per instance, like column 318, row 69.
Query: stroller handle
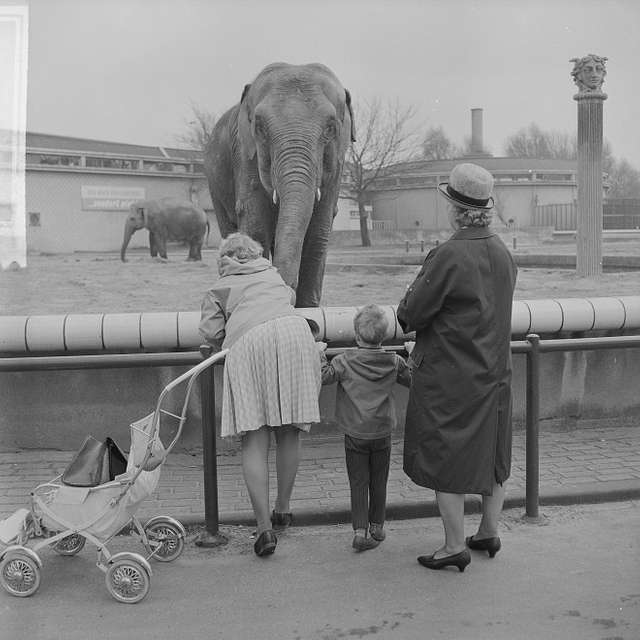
column 193, row 373
column 189, row 377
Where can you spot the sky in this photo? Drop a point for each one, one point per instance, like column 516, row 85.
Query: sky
column 129, row 70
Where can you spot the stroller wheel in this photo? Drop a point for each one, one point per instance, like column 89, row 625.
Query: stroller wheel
column 69, row 545
column 128, row 580
column 19, row 574
column 166, row 539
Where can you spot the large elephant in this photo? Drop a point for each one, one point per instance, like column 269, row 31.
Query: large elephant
column 274, row 163
column 167, row 219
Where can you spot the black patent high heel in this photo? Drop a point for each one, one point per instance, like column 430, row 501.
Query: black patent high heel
column 281, row 521
column 266, row 543
column 460, row 560
column 490, row 545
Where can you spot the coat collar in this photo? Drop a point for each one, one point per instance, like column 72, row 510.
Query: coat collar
column 471, row 233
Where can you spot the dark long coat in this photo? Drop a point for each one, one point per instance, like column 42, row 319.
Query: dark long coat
column 458, row 424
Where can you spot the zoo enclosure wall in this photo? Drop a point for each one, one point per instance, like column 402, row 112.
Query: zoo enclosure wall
column 57, row 408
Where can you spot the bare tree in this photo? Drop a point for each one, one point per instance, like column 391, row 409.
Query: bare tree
column 198, row 128
column 623, row 179
column 436, row 145
column 384, row 137
column 534, row 142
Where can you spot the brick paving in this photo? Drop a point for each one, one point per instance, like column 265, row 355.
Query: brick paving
column 587, row 465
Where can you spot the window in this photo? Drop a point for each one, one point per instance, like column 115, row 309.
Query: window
column 53, row 159
column 551, row 177
column 112, row 163
column 173, row 167
column 514, row 177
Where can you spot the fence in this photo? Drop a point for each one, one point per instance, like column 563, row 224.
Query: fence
column 621, row 213
column 562, row 217
column 532, row 347
column 617, row 213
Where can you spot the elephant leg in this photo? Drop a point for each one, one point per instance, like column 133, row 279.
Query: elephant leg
column 226, row 225
column 161, row 243
column 195, row 249
column 313, row 259
column 153, row 248
column 257, row 218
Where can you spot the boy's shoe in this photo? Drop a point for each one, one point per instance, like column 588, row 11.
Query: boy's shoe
column 376, row 531
column 360, row 543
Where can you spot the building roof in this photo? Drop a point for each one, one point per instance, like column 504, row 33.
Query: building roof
column 490, row 163
column 86, row 145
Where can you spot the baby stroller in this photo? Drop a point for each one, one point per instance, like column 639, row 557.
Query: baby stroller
column 65, row 517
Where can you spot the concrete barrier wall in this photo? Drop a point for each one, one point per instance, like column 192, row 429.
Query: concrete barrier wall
column 56, row 409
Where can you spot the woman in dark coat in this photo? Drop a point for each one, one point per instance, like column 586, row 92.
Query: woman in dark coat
column 458, row 424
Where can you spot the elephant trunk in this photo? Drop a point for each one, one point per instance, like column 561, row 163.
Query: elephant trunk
column 297, row 200
column 128, row 232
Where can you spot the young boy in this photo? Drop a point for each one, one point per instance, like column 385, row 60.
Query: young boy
column 366, row 414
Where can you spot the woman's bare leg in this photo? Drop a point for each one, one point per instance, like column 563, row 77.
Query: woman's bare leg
column 287, row 460
column 451, row 506
column 255, row 469
column 491, row 510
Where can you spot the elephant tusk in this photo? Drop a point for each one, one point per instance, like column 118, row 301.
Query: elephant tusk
column 275, row 197
column 318, row 194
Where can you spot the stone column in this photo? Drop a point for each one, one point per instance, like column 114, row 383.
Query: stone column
column 588, row 74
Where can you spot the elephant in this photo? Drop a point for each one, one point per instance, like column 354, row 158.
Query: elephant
column 167, row 219
column 274, row 163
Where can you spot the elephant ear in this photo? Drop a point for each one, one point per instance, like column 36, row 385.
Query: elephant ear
column 347, row 97
column 245, row 134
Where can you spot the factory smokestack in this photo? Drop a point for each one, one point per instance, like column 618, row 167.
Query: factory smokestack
column 476, row 131
column 477, row 142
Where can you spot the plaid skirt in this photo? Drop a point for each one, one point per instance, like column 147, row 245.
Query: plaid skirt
column 272, row 377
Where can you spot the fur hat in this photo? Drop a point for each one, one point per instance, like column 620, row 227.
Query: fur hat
column 469, row 186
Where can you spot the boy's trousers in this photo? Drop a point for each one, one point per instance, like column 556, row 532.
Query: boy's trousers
column 368, row 469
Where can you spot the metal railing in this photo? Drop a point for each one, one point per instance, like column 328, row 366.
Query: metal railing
column 211, row 536
column 532, row 348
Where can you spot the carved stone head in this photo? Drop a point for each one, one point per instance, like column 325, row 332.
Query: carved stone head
column 589, row 72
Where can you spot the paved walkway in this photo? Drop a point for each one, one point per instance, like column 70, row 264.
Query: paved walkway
column 589, row 465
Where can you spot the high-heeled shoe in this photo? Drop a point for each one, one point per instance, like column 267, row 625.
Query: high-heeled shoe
column 281, row 521
column 490, row 545
column 266, row 543
column 460, row 560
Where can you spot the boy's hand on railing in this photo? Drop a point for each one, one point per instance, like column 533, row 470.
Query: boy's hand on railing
column 322, row 346
column 206, row 350
column 408, row 346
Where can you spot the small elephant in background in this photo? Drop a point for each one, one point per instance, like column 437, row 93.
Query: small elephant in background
column 167, row 219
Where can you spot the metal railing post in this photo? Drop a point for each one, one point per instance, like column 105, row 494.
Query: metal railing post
column 533, row 426
column 211, row 536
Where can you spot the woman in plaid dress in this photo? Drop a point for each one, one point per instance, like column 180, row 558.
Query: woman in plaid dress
column 271, row 375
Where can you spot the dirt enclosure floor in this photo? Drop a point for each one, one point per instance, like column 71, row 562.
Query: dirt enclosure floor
column 101, row 283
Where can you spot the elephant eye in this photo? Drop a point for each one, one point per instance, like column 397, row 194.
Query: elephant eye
column 330, row 130
column 259, row 127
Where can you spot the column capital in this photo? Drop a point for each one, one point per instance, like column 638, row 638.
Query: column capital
column 590, row 96
column 588, row 73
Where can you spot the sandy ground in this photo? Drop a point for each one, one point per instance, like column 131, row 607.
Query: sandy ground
column 101, row 283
